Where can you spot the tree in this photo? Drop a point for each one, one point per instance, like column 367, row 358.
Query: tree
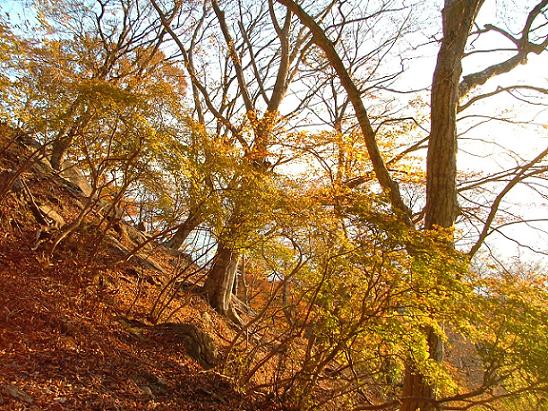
column 119, row 51
column 106, row 99
column 257, row 66
column 292, row 150
column 441, row 162
column 441, row 192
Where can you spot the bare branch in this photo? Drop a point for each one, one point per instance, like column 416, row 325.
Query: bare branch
column 321, row 39
column 523, row 47
column 496, row 203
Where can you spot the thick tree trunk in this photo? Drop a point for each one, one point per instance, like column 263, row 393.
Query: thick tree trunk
column 58, row 150
column 193, row 220
column 417, row 393
column 441, row 166
column 220, row 279
column 441, row 161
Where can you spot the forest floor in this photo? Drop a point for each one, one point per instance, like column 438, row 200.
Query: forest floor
column 66, row 335
column 79, row 325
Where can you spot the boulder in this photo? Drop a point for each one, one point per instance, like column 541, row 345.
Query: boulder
column 70, row 172
column 198, row 343
column 52, row 214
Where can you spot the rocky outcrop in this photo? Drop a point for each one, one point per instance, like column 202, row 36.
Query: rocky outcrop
column 197, row 343
column 73, row 174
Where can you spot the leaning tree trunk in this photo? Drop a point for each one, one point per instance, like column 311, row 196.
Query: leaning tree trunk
column 193, row 220
column 58, row 150
column 441, row 165
column 62, row 143
column 220, row 279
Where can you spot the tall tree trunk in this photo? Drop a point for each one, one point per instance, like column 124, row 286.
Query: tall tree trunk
column 441, row 161
column 441, row 165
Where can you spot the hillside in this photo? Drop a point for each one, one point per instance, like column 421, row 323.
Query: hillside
column 109, row 318
column 334, row 205
column 73, row 332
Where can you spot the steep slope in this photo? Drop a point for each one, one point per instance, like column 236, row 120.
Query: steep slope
column 74, row 325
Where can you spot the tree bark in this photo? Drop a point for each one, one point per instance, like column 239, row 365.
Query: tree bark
column 63, row 141
column 220, row 279
column 441, row 166
column 417, row 393
column 192, row 221
column 441, row 161
column 58, row 150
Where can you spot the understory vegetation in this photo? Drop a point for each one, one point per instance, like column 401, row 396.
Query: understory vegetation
column 291, row 182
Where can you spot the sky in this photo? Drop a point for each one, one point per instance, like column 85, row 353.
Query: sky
column 480, row 148
column 525, row 140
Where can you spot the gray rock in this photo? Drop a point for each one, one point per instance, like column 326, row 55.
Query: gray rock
column 198, row 343
column 73, row 174
column 17, row 393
